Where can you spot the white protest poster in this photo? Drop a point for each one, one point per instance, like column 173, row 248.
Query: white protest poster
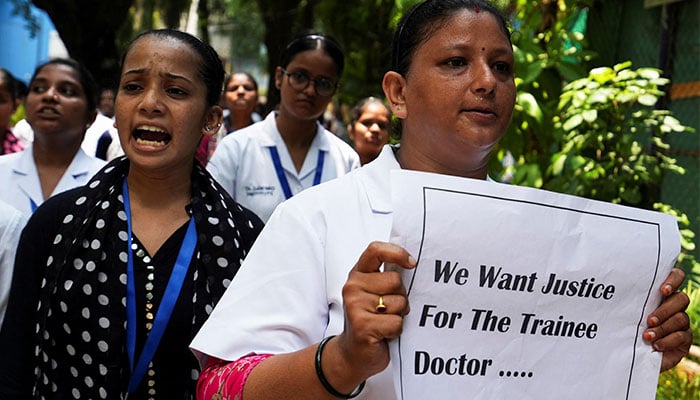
column 525, row 294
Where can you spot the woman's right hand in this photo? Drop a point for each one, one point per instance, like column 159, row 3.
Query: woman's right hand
column 357, row 353
column 363, row 343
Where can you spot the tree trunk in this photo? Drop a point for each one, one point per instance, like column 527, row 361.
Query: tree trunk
column 280, row 20
column 88, row 30
column 203, row 20
column 172, row 10
column 147, row 8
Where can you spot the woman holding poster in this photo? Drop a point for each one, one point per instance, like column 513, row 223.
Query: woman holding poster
column 310, row 313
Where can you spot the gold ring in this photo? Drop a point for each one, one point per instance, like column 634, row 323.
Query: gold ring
column 380, row 307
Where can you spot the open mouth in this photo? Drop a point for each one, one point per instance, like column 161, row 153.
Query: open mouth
column 47, row 111
column 151, row 136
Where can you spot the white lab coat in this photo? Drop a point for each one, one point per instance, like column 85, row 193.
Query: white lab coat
column 20, row 178
column 93, row 134
column 23, row 131
column 101, row 125
column 11, row 224
column 242, row 164
column 288, row 293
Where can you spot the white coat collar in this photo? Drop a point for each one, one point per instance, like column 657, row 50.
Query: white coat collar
column 376, row 179
column 24, row 165
column 271, row 135
column 27, row 175
column 25, row 169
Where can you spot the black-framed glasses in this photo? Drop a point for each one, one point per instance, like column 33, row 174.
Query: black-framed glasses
column 300, row 81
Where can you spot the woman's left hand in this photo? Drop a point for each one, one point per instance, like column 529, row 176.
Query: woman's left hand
column 669, row 325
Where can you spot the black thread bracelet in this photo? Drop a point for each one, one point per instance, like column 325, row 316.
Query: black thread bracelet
column 322, row 377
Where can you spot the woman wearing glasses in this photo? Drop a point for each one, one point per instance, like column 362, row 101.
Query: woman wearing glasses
column 289, row 151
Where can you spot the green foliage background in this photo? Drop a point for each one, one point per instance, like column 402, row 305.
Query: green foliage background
column 597, row 134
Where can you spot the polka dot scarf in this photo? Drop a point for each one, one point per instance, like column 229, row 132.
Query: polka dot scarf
column 82, row 328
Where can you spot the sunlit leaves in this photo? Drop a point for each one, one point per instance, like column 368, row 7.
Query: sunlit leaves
column 608, row 119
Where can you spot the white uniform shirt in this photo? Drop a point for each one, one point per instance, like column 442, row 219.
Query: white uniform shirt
column 20, row 178
column 101, row 125
column 23, row 131
column 288, row 293
column 243, row 165
column 11, row 223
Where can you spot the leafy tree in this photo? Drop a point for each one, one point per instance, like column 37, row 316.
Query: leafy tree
column 88, row 30
column 95, row 32
column 612, row 142
column 362, row 27
column 172, row 11
column 366, row 41
column 241, row 22
column 23, row 9
column 281, row 18
column 548, row 53
column 597, row 134
column 612, row 139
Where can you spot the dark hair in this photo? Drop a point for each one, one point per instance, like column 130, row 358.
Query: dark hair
column 424, row 18
column 22, row 89
column 247, row 75
column 84, row 77
column 359, row 108
column 210, row 68
column 11, row 83
column 314, row 41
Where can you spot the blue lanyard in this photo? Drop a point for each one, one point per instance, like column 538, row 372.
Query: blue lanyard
column 165, row 309
column 283, row 178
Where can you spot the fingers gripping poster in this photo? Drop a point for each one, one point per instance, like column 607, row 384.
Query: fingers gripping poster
column 525, row 294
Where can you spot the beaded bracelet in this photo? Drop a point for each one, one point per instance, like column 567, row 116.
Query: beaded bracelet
column 322, row 377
